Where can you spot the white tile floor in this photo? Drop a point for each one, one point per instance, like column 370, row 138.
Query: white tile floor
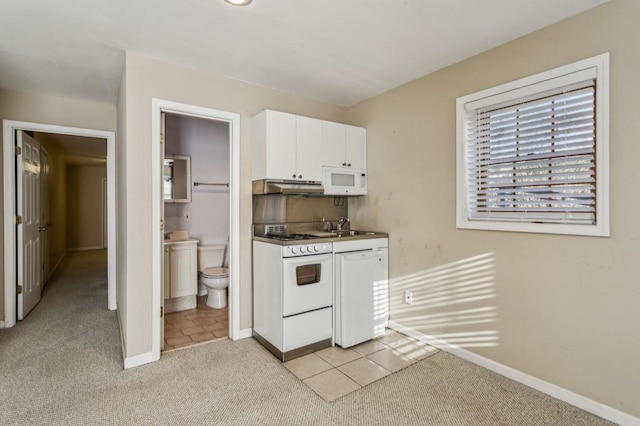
column 334, row 372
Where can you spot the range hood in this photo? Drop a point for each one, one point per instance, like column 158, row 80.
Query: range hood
column 287, row 187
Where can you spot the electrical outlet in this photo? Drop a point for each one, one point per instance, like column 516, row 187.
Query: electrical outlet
column 408, row 297
column 186, row 216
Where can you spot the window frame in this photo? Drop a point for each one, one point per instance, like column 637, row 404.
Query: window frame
column 513, row 90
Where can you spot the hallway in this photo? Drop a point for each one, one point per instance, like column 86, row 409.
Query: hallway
column 70, row 327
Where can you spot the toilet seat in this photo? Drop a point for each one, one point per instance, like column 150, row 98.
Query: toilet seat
column 215, row 273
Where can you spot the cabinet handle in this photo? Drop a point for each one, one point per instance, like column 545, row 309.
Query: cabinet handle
column 344, row 164
column 349, row 165
column 293, row 175
column 299, row 176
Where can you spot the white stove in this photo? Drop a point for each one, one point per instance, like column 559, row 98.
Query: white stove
column 293, row 296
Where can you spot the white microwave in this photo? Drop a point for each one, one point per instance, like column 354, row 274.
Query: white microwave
column 344, row 181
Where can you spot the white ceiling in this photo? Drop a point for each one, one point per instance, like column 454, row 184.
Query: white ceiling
column 339, row 51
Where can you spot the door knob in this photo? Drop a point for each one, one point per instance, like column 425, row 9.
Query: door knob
column 42, row 228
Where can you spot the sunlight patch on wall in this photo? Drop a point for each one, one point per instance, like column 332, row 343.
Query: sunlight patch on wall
column 451, row 302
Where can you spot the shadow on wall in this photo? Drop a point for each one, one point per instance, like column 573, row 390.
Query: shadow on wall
column 451, row 303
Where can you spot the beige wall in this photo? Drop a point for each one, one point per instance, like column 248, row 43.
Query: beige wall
column 39, row 108
column 561, row 308
column 85, row 206
column 147, row 78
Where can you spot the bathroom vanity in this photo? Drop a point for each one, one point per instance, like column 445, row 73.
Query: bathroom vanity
column 180, row 274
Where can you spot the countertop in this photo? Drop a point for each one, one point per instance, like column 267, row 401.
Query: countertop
column 334, row 239
column 181, row 241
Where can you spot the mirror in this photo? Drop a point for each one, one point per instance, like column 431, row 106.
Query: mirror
column 176, row 174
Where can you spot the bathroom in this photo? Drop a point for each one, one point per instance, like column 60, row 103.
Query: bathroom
column 196, row 177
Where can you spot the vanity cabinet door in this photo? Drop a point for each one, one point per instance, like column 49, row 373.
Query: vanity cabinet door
column 184, row 272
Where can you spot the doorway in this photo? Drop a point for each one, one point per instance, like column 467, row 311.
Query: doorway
column 11, row 130
column 232, row 120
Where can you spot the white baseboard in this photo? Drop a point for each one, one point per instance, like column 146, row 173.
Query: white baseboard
column 85, row 248
column 245, row 333
column 1, row 324
column 589, row 405
column 138, row 360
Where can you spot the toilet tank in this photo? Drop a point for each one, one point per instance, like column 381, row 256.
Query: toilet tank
column 210, row 256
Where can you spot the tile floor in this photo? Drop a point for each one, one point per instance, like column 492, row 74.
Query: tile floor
column 334, row 372
column 198, row 325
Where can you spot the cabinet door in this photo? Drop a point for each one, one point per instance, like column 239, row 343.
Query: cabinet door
column 308, row 148
column 333, row 144
column 356, row 147
column 184, row 272
column 281, row 145
column 166, row 276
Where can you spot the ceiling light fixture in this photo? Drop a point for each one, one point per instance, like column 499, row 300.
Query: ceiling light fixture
column 238, row 2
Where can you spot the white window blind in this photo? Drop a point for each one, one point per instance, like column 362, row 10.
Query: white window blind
column 533, row 159
column 532, row 155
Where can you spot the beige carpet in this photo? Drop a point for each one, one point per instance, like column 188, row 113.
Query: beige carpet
column 63, row 366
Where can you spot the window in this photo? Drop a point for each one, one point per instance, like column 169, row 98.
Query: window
column 532, row 155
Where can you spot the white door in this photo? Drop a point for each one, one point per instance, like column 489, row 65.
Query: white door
column 105, row 214
column 45, row 215
column 163, row 271
column 29, row 209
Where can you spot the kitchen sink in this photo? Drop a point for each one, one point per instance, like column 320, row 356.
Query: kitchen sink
column 352, row 233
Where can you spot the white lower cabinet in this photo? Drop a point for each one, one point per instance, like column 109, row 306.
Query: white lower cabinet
column 180, row 269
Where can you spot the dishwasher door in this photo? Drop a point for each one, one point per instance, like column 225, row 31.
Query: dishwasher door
column 361, row 296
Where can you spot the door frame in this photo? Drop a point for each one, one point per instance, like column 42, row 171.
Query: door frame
column 159, row 106
column 9, row 128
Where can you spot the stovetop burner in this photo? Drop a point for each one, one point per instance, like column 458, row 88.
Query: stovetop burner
column 291, row 237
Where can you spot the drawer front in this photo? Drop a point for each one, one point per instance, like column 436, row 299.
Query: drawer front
column 305, row 329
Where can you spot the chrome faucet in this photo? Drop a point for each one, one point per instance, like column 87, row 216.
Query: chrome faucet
column 341, row 222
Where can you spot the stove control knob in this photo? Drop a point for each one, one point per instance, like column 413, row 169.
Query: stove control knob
column 294, row 250
column 316, row 248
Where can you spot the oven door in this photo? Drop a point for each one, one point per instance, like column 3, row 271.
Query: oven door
column 307, row 283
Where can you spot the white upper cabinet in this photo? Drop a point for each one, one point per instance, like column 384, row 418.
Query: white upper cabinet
column 273, row 145
column 344, row 145
column 356, row 147
column 308, row 148
column 286, row 146
column 333, row 144
column 291, row 147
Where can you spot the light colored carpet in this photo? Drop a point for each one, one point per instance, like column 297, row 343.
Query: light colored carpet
column 63, row 366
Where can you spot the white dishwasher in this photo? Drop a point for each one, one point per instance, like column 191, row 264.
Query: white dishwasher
column 361, row 304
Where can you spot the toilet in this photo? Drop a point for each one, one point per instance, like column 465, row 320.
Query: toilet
column 213, row 277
